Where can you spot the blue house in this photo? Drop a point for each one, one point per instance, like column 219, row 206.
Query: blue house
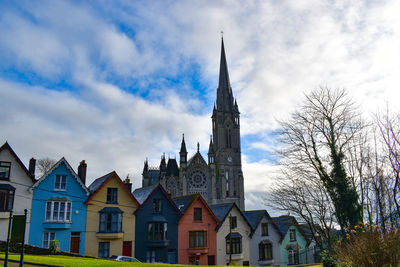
column 58, row 209
column 156, row 225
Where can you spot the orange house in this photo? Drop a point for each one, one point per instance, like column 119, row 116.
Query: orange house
column 197, row 238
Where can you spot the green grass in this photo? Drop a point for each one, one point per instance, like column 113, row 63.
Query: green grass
column 81, row 261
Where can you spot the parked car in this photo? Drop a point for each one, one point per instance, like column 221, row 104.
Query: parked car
column 124, row 258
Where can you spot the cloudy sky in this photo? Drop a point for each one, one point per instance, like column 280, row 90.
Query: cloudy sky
column 114, row 82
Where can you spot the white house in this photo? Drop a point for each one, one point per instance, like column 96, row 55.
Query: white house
column 232, row 243
column 265, row 239
column 15, row 180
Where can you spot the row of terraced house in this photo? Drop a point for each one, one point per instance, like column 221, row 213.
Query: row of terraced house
column 107, row 218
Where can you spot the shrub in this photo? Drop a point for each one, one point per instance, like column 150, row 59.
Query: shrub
column 328, row 260
column 369, row 246
column 54, row 246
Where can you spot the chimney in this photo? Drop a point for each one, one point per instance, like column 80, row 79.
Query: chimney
column 128, row 183
column 32, row 166
column 82, row 171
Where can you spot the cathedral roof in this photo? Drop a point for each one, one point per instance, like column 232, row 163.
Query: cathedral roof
column 199, row 158
column 172, row 168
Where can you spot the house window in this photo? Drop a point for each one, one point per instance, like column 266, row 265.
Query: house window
column 58, row 211
column 5, row 170
column 235, row 243
column 197, row 239
column 292, row 234
column 233, row 222
column 47, row 238
column 197, row 215
column 104, row 249
column 265, row 251
column 7, row 198
column 157, row 205
column 112, row 195
column 61, row 182
column 264, row 229
column 157, row 231
column 293, row 256
column 110, row 220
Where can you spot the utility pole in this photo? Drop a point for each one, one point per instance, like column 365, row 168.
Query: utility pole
column 230, row 239
column 21, row 261
column 8, row 239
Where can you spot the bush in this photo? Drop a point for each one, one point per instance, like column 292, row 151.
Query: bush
column 54, row 246
column 328, row 260
column 369, row 246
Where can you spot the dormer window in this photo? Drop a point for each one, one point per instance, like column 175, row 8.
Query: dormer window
column 61, row 182
column 233, row 222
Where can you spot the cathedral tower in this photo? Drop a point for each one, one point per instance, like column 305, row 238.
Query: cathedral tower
column 227, row 164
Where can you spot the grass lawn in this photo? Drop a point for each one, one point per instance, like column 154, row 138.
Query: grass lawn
column 87, row 262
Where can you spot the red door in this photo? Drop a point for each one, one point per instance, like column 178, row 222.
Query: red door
column 127, row 248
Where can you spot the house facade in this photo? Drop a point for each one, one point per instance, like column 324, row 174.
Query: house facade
column 265, row 239
column 15, row 181
column 110, row 225
column 196, row 231
column 294, row 244
column 58, row 208
column 156, row 226
column 233, row 235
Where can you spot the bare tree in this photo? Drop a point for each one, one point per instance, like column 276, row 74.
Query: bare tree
column 389, row 127
column 44, row 165
column 315, row 142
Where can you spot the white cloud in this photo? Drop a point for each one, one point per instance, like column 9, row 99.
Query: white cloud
column 276, row 51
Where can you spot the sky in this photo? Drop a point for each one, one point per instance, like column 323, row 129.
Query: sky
column 116, row 82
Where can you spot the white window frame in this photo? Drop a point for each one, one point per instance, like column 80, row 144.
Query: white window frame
column 60, row 183
column 47, row 241
column 66, row 214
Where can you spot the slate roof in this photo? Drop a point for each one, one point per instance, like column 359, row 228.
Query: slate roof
column 221, row 210
column 254, row 217
column 172, row 168
column 141, row 194
column 284, row 222
column 98, row 182
column 184, row 202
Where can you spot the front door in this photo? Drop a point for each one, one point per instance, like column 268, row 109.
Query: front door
column 127, row 248
column 75, row 241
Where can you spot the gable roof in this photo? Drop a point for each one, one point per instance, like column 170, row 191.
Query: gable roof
column 185, row 202
column 98, row 184
column 55, row 166
column 285, row 221
column 222, row 211
column 142, row 195
column 255, row 216
column 6, row 146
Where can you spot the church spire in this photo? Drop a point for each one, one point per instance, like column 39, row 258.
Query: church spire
column 224, row 91
column 183, row 153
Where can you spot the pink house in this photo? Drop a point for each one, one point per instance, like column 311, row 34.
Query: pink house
column 197, row 238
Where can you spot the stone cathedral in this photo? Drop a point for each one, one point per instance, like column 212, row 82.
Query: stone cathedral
column 220, row 179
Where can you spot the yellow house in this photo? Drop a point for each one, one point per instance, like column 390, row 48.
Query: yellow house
column 110, row 220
